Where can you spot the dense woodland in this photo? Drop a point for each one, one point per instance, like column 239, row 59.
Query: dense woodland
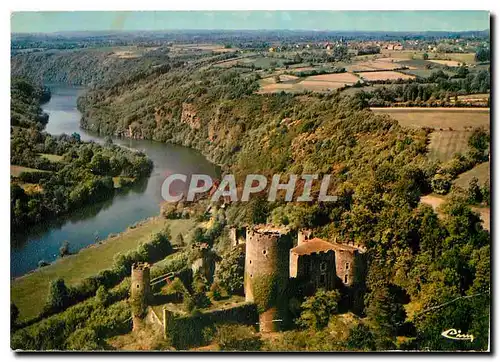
column 425, row 274
column 82, row 174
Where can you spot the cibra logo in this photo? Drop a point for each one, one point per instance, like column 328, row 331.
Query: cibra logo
column 457, row 335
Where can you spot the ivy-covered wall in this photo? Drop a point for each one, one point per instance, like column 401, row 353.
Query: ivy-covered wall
column 191, row 331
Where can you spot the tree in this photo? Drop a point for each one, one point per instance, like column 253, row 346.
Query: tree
column 361, row 338
column 474, row 191
column 425, row 56
column 384, row 311
column 482, row 55
column 58, row 298
column 76, row 136
column 14, row 313
column 64, row 249
column 317, row 309
column 229, row 274
column 102, row 296
column 479, row 139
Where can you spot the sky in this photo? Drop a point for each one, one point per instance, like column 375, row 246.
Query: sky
column 47, row 22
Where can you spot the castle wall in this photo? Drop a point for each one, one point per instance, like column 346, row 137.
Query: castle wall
column 346, row 266
column 318, row 270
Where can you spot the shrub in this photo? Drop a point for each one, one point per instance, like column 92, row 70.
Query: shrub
column 216, row 291
column 58, row 298
column 233, row 337
column 361, row 338
column 317, row 310
column 64, row 249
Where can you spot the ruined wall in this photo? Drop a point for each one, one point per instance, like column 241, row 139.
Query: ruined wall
column 303, row 235
column 267, row 272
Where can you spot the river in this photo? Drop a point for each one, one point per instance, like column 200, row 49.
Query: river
column 82, row 227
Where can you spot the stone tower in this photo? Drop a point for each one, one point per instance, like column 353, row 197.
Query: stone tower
column 140, row 291
column 267, row 272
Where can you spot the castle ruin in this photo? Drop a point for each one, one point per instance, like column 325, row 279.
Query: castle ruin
column 140, row 292
column 266, row 271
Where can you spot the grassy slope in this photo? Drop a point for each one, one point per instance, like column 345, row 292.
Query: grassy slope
column 444, row 144
column 481, row 171
column 29, row 292
column 51, row 157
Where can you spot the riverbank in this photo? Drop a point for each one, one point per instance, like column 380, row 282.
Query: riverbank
column 30, row 291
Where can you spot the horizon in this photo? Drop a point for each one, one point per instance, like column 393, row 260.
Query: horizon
column 319, row 21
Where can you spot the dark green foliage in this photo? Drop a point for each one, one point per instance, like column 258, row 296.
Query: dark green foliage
column 216, row 291
column 14, row 313
column 361, row 338
column 482, row 55
column 474, row 191
column 58, row 298
column 233, row 337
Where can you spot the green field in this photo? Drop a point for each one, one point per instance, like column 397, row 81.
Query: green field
column 444, row 144
column 51, row 158
column 481, row 172
column 29, row 292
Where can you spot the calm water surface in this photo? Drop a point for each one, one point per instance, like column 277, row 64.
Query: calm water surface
column 98, row 221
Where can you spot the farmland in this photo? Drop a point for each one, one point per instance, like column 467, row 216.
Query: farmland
column 452, row 126
column 17, row 170
column 384, row 75
column 444, row 144
column 318, row 83
column 439, row 118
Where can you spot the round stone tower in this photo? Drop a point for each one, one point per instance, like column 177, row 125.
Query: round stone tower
column 140, row 290
column 266, row 272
